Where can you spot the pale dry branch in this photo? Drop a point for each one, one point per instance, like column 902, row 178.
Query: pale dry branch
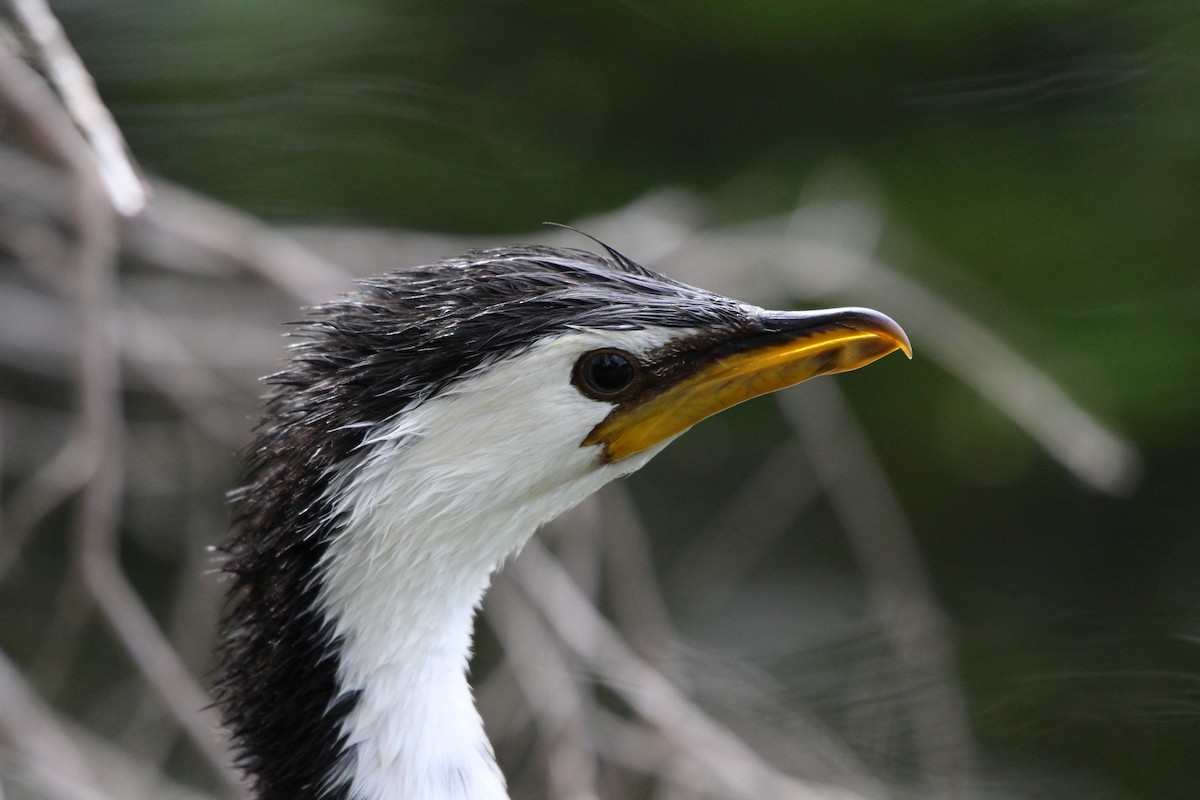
column 62, row 639
column 191, row 379
column 707, row 571
column 210, row 356
column 832, row 257
column 32, row 732
column 99, row 421
column 181, row 229
column 639, row 746
column 840, row 456
column 61, row 760
column 114, row 165
column 841, row 266
column 552, row 690
column 755, row 705
column 1094, row 454
column 803, row 742
column 47, row 488
column 158, row 662
column 727, row 760
column 184, row 232
column 638, row 604
column 575, row 537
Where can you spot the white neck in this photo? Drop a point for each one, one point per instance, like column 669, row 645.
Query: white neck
column 406, row 627
column 435, row 503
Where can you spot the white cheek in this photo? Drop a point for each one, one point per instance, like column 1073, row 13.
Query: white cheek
column 502, row 448
column 516, row 430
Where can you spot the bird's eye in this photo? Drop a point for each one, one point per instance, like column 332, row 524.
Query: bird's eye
column 606, row 374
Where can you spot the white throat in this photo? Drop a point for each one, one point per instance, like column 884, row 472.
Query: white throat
column 435, row 503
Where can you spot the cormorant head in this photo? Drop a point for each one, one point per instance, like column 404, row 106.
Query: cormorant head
column 539, row 366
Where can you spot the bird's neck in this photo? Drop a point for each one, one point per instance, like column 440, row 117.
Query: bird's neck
column 402, row 588
column 405, row 619
column 402, row 581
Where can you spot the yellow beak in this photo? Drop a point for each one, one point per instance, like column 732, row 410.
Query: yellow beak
column 791, row 347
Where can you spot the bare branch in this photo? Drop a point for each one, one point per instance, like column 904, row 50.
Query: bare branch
column 31, row 729
column 62, row 760
column 819, row 261
column 707, row 571
column 830, row 251
column 551, row 690
column 714, row 750
column 125, row 190
column 841, row 457
column 637, row 599
column 51, row 485
column 181, row 228
column 99, row 426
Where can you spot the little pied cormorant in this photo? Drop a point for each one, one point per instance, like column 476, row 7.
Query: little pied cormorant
column 424, row 427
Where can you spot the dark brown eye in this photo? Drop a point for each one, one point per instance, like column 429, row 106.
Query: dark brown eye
column 606, row 374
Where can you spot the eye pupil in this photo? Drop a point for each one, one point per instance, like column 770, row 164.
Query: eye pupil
column 607, row 373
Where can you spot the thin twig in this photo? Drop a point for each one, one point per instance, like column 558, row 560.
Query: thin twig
column 31, row 729
column 63, row 760
column 181, row 227
column 550, row 688
column 640, row 747
column 100, row 423
column 843, row 265
column 782, row 259
column 724, row 757
column 707, row 571
column 638, row 604
column 576, row 538
column 117, row 173
column 48, row 487
column 35, row 327
column 841, row 457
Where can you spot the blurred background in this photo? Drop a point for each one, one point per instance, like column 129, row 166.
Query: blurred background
column 972, row 575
